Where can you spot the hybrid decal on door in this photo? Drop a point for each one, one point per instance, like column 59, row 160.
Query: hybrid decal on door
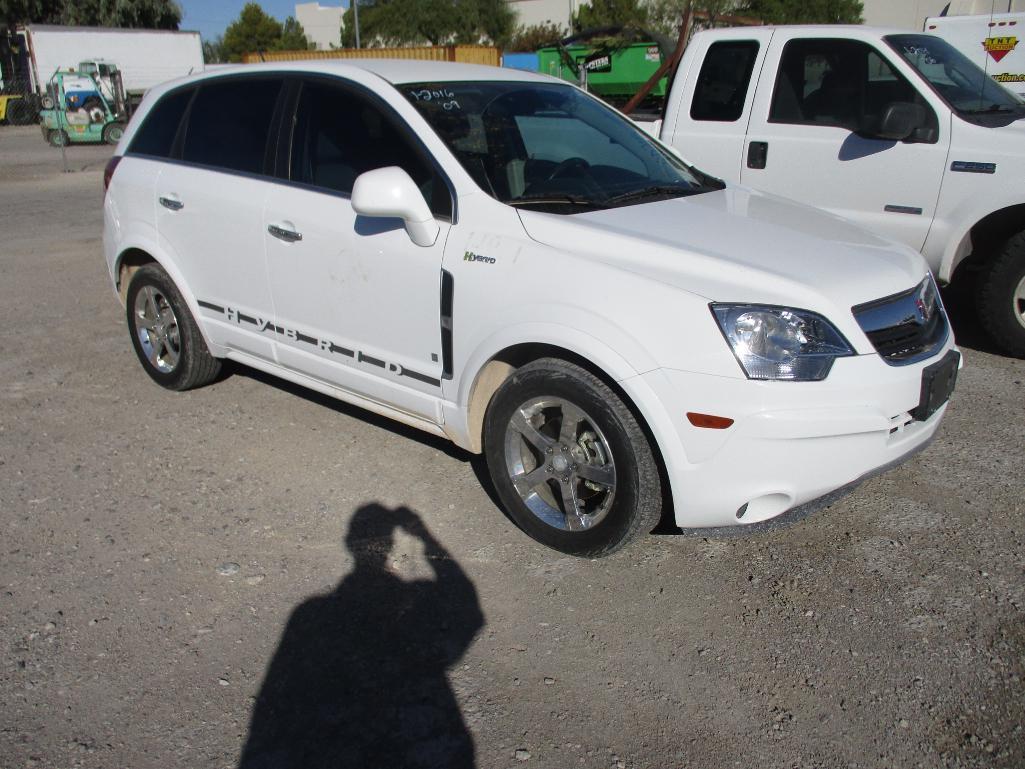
column 234, row 315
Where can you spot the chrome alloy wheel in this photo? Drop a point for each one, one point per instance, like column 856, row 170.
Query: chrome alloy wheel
column 157, row 329
column 1019, row 301
column 560, row 463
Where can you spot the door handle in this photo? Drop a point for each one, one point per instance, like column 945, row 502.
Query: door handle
column 757, row 154
column 171, row 202
column 286, row 234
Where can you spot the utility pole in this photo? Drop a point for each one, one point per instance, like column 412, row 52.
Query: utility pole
column 355, row 19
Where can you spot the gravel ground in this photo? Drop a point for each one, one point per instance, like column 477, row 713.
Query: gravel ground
column 176, row 568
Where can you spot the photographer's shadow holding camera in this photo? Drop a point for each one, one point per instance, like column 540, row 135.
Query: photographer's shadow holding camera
column 358, row 679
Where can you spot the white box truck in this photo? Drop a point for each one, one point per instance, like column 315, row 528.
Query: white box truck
column 145, row 57
column 992, row 41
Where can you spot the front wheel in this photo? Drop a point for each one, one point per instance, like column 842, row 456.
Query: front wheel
column 112, row 133
column 164, row 333
column 57, row 137
column 1001, row 297
column 569, row 461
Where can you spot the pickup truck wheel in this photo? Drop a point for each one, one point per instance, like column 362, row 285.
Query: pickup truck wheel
column 569, row 461
column 1001, row 297
column 164, row 333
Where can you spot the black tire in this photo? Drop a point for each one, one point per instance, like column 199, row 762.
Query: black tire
column 1000, row 297
column 19, row 112
column 603, row 440
column 164, row 333
column 57, row 137
column 112, row 132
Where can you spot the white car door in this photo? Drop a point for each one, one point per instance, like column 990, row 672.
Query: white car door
column 802, row 141
column 210, row 210
column 357, row 303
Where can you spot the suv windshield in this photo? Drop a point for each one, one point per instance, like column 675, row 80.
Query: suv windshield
column 960, row 82
column 551, row 147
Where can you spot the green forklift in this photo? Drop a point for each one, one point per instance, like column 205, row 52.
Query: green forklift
column 81, row 109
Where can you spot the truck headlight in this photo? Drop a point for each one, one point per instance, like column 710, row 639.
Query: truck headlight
column 780, row 342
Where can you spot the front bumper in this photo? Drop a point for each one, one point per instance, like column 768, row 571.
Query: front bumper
column 791, row 442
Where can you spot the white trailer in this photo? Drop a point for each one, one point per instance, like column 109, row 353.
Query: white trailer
column 145, row 57
column 992, row 41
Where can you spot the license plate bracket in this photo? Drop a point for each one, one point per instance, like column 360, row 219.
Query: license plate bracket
column 938, row 382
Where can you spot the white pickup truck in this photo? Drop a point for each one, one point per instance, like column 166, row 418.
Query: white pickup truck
column 897, row 131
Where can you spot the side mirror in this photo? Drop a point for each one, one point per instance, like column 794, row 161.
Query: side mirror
column 390, row 192
column 900, row 121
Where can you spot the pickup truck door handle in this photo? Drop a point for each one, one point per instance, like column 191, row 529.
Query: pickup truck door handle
column 171, row 202
column 757, row 154
column 284, row 232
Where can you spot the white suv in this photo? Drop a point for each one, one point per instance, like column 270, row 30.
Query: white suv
column 499, row 258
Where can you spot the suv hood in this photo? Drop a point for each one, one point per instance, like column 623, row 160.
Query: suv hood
column 739, row 245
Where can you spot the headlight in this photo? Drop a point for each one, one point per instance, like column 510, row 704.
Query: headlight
column 780, row 342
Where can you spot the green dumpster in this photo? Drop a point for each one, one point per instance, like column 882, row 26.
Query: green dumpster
column 613, row 72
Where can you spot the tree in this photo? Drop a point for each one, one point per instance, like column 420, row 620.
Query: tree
column 806, row 11
column 535, row 37
column 428, row 22
column 664, row 16
column 213, row 51
column 293, row 37
column 253, row 30
column 610, row 13
column 148, row 14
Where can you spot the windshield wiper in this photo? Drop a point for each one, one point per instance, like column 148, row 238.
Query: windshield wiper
column 545, row 199
column 655, row 190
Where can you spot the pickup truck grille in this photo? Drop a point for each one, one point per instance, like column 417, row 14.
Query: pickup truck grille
column 906, row 327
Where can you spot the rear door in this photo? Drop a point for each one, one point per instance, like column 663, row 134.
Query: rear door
column 358, row 304
column 712, row 104
column 209, row 203
column 814, row 93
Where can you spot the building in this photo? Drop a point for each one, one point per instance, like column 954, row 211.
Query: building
column 532, row 12
column 321, row 23
column 911, row 14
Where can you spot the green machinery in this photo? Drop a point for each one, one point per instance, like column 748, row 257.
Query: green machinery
column 80, row 108
column 611, row 69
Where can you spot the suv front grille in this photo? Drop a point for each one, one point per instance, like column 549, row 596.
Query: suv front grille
column 906, row 327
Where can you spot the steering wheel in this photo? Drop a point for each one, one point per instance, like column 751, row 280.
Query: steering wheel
column 567, row 165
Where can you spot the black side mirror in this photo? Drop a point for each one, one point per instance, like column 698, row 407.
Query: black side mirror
column 901, row 120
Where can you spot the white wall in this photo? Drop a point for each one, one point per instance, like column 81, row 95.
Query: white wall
column 322, row 24
column 911, row 14
column 531, row 12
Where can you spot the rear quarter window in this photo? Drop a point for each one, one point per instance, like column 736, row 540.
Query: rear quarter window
column 155, row 136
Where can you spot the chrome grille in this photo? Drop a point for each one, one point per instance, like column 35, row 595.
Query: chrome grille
column 906, row 327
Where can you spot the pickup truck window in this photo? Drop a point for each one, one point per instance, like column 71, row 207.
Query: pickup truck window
column 958, row 80
column 837, row 82
column 551, row 147
column 724, row 79
column 339, row 134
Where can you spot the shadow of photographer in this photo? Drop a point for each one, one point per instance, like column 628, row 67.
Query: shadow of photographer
column 359, row 677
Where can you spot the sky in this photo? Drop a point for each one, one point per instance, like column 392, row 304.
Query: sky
column 210, row 17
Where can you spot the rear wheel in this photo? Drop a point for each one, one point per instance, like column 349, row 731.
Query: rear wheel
column 569, row 461
column 57, row 137
column 1001, row 297
column 164, row 333
column 112, row 132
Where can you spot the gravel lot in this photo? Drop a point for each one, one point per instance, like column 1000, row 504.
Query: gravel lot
column 177, row 567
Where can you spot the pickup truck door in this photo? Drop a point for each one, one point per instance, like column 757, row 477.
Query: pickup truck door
column 357, row 303
column 814, row 93
column 712, row 102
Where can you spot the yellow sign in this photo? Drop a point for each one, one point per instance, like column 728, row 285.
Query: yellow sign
column 999, row 47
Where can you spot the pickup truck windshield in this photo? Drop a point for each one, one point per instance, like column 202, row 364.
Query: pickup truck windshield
column 960, row 82
column 551, row 147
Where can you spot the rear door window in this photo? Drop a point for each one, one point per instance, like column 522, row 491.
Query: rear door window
column 723, row 82
column 230, row 124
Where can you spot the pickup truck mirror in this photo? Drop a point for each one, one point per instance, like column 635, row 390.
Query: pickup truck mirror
column 391, row 192
column 901, row 120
